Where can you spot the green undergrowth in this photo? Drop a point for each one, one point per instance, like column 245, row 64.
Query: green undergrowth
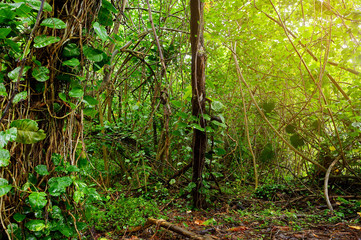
column 122, row 213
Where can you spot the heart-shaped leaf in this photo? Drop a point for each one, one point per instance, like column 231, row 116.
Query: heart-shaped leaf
column 4, row 157
column 72, row 62
column 20, row 97
column 35, row 225
column 37, row 200
column 71, row 50
column 42, row 170
column 28, row 131
column 101, row 31
column 4, row 187
column 41, row 74
column 93, row 54
column 76, row 92
column 43, row 41
column 53, row 23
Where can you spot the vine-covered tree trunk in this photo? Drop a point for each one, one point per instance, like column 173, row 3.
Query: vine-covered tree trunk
column 198, row 97
column 44, row 79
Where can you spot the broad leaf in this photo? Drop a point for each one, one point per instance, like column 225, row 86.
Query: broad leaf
column 4, row 187
column 101, row 31
column 41, row 74
column 6, row 136
column 19, row 217
column 72, row 62
column 53, row 23
column 3, row 91
column 66, row 230
column 4, row 32
column 35, row 225
column 35, row 4
column 43, row 41
column 37, row 200
column 58, row 185
column 71, row 50
column 28, row 131
column 4, row 157
column 76, row 92
column 90, row 101
column 105, row 18
column 14, row 74
column 93, row 54
column 20, row 97
column 56, row 158
column 42, row 170
column 109, row 6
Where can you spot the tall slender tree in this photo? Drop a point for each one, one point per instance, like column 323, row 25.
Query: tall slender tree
column 198, row 97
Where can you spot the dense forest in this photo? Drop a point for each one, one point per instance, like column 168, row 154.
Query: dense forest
column 175, row 119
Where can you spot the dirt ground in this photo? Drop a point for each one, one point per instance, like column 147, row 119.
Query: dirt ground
column 252, row 219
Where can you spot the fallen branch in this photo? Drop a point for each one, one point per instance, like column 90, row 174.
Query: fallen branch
column 174, row 228
column 169, row 226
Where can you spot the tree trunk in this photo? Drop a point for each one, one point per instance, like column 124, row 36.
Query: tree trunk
column 198, row 98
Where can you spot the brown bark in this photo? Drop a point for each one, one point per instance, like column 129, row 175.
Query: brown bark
column 198, row 97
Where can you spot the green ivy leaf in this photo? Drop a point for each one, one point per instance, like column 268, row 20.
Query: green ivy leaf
column 217, row 106
column 35, row 225
column 14, row 74
column 4, row 187
column 72, row 168
column 56, row 213
column 42, row 170
column 41, row 74
column 56, row 158
column 76, row 92
column 90, row 101
column 28, row 131
column 72, row 62
column 101, row 31
column 43, row 40
column 4, row 32
column 297, row 140
column 19, row 217
column 78, row 195
column 20, row 97
column 105, row 18
column 37, row 200
column 35, row 4
column 4, row 157
column 92, row 54
column 6, row 136
column 197, row 126
column 62, row 96
column 3, row 90
column 109, row 6
column 53, row 23
column 71, row 50
column 66, row 231
column 58, row 185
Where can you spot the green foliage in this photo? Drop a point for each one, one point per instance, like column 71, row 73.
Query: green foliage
column 46, row 213
column 270, row 191
column 28, row 131
column 122, row 213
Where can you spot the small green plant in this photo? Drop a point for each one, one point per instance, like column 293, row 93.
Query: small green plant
column 270, row 191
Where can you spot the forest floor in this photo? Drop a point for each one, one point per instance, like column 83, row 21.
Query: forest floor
column 258, row 219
